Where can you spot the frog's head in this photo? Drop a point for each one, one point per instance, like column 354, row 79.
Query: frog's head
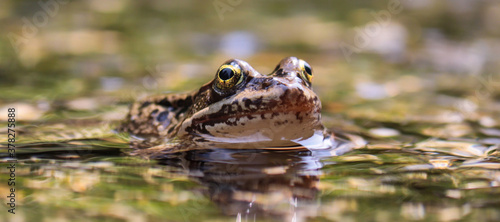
column 242, row 105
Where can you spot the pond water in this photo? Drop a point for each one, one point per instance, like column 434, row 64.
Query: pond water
column 421, row 87
column 80, row 169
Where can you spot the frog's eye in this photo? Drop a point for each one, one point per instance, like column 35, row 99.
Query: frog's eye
column 306, row 71
column 228, row 76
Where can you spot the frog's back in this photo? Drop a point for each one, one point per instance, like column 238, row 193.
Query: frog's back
column 156, row 116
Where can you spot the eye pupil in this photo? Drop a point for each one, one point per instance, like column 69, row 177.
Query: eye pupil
column 308, row 70
column 226, row 74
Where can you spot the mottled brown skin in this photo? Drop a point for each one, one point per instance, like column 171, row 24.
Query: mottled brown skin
column 272, row 110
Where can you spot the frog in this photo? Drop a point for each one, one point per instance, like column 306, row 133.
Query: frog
column 239, row 108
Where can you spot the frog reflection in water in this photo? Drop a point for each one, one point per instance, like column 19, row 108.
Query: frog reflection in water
column 239, row 108
column 259, row 184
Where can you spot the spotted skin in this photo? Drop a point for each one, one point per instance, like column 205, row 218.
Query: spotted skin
column 273, row 109
column 155, row 115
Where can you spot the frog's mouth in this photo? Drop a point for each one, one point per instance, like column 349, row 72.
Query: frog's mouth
column 286, row 114
column 265, row 105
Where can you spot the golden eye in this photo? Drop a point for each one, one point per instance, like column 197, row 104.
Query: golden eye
column 228, row 76
column 306, row 71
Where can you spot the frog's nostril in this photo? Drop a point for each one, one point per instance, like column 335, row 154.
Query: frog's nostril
column 280, row 72
column 277, row 67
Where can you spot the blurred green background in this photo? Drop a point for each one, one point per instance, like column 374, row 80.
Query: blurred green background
column 66, row 49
